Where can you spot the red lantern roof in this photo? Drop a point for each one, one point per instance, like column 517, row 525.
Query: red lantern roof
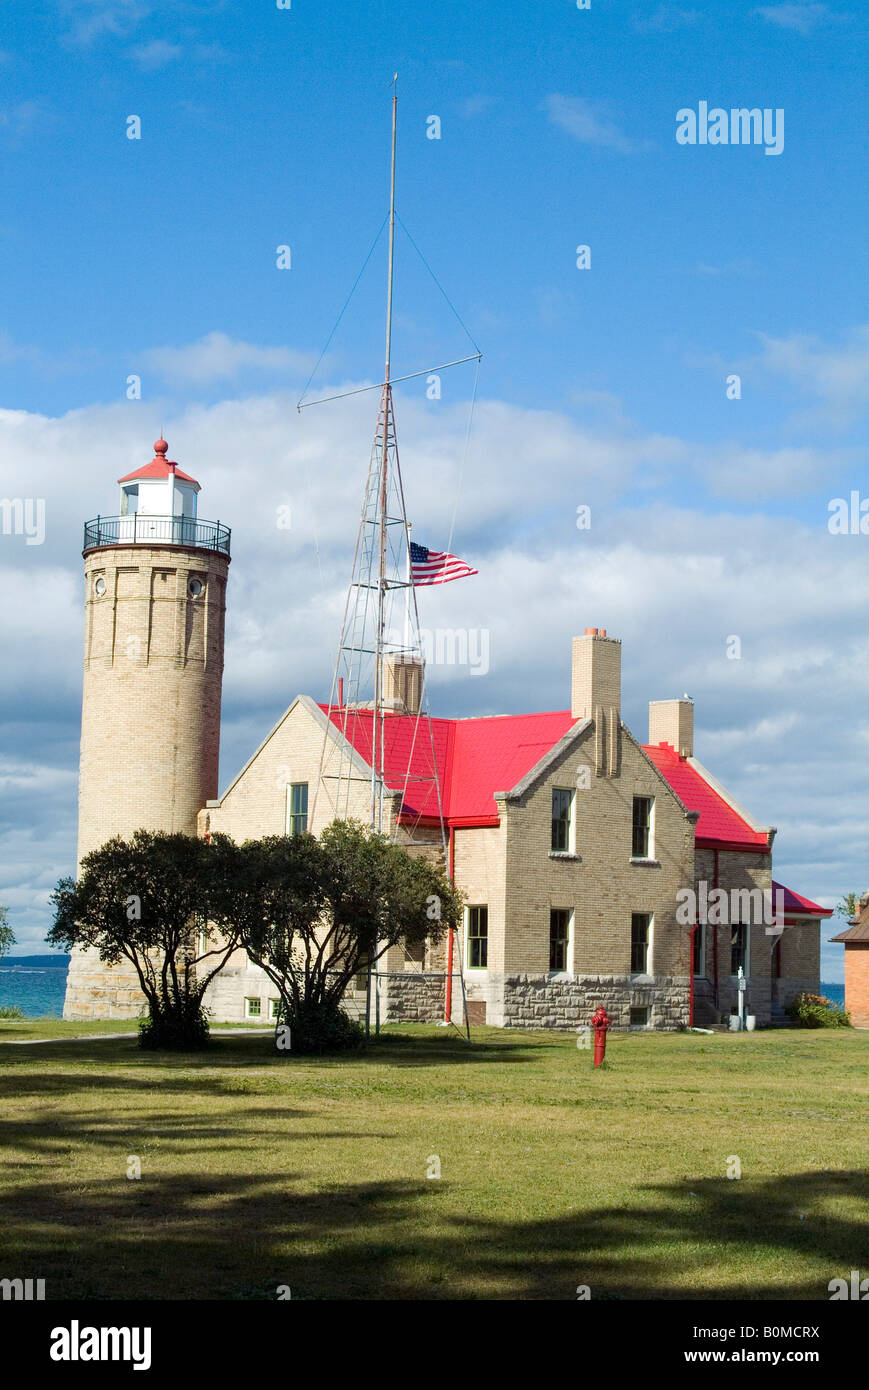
column 159, row 467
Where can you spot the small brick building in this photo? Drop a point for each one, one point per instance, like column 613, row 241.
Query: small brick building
column 856, row 940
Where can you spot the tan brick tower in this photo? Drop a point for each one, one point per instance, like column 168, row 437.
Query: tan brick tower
column 155, row 600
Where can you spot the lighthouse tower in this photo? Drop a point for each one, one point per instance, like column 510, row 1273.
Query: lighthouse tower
column 155, row 600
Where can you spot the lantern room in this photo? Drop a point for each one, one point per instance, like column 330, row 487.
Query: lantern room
column 159, row 488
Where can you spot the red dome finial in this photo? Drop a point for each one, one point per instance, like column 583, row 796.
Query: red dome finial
column 161, row 448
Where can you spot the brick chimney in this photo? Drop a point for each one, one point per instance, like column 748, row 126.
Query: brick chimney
column 596, row 693
column 402, row 683
column 672, row 721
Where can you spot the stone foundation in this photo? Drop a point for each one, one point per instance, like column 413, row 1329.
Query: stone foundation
column 97, row 990
column 411, row 997
column 541, row 1001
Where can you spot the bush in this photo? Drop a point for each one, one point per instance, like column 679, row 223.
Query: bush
column 11, row 1011
column 816, row 1011
column 323, row 1027
column 183, row 1031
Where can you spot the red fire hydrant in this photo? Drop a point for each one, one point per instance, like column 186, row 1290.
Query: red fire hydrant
column 600, row 1022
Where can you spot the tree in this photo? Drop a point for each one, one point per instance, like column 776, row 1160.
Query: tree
column 7, row 935
column 312, row 914
column 145, row 901
column 848, row 905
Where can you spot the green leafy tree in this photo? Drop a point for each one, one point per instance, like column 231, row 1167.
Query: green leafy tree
column 314, row 913
column 7, row 936
column 848, row 905
column 146, row 901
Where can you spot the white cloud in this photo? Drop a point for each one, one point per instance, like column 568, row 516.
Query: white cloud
column 589, row 122
column 159, row 53
column 804, row 16
column 19, row 120
column 837, row 376
column 90, row 20
column 217, row 357
column 665, row 19
column 475, row 106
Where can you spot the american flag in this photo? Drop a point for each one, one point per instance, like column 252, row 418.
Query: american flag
column 435, row 566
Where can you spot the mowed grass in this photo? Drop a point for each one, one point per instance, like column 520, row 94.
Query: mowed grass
column 262, row 1169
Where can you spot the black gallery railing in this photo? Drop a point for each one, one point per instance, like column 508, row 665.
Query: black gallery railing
column 144, row 530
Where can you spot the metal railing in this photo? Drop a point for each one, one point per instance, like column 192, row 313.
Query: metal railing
column 148, row 530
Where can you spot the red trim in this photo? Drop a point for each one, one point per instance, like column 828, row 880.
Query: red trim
column 453, row 822
column 448, row 1011
column 691, row 979
column 740, row 848
column 715, row 941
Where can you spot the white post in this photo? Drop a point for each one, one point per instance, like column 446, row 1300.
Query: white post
column 740, row 985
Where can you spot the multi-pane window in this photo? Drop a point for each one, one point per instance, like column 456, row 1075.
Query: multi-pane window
column 360, row 980
column 739, row 949
column 252, row 1008
column 274, row 1007
column 699, row 961
column 478, row 937
column 642, row 828
column 562, row 812
column 559, row 936
column 297, row 817
column 640, row 930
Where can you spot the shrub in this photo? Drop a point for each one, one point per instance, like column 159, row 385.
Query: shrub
column 323, row 1027
column 176, row 1029
column 816, row 1011
column 11, row 1011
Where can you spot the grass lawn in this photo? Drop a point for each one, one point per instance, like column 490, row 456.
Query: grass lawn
column 262, row 1169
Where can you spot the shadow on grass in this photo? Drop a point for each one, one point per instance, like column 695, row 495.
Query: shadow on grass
column 197, row 1236
column 238, row 1050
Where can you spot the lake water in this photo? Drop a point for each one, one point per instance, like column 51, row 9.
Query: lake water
column 37, row 984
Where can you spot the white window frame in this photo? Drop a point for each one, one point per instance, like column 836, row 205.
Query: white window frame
column 468, row 909
column 571, row 824
column 649, row 856
column 288, row 812
column 650, row 945
column 568, row 954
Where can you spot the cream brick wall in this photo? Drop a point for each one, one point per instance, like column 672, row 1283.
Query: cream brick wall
column 599, row 884
column 153, row 669
column 255, row 805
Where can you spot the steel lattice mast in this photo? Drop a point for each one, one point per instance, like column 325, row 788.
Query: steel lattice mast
column 380, row 618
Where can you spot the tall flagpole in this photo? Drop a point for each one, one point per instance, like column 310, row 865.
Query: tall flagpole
column 378, row 758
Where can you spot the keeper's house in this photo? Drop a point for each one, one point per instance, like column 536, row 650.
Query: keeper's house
column 585, row 857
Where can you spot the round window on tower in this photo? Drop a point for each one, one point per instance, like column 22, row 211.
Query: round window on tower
column 194, row 588
column 99, row 586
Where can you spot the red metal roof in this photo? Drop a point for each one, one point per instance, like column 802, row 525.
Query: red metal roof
column 795, row 905
column 475, row 757
column 478, row 757
column 719, row 826
column 157, row 468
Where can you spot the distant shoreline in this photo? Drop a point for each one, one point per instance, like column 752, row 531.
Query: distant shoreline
column 56, row 961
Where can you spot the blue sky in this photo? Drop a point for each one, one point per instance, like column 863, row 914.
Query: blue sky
column 263, row 127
